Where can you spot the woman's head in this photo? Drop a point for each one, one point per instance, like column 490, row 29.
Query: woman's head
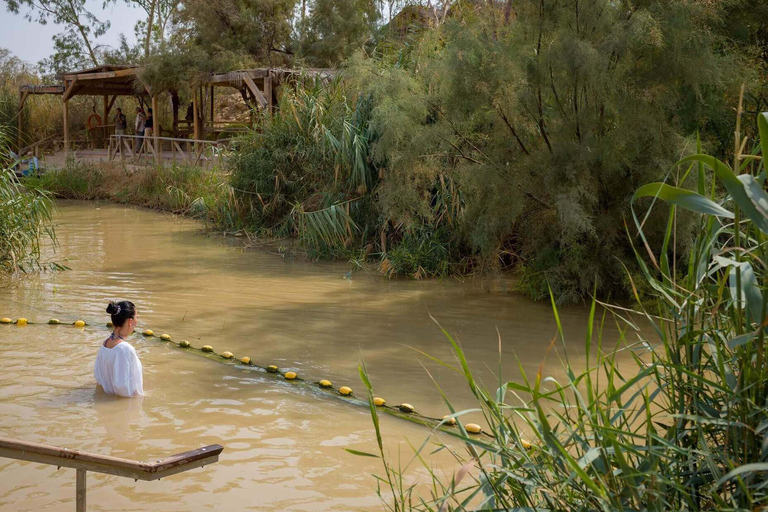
column 123, row 314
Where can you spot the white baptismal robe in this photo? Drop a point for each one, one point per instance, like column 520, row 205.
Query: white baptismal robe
column 118, row 370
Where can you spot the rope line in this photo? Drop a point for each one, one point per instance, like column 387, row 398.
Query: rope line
column 321, row 387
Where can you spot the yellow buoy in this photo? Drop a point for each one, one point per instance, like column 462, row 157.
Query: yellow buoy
column 227, row 355
column 148, row 332
column 110, row 325
column 448, row 420
column 184, row 344
column 54, row 321
column 406, row 408
column 290, row 375
column 344, row 390
column 207, row 348
column 79, row 323
column 21, row 321
column 272, row 368
column 473, row 428
column 378, row 401
column 5, row 320
column 325, row 384
column 246, row 360
column 165, row 337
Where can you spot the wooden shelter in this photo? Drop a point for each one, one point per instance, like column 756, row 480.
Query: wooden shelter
column 258, row 88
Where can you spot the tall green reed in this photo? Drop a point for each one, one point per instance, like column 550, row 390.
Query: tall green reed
column 25, row 220
column 676, row 420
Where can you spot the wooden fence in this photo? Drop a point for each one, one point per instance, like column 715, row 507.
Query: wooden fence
column 205, row 153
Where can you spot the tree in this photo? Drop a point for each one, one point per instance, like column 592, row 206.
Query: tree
column 75, row 46
column 258, row 29
column 335, row 29
column 526, row 135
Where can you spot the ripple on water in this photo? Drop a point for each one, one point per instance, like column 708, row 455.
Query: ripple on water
column 284, row 446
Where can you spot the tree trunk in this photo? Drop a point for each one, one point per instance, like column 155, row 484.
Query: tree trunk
column 149, row 29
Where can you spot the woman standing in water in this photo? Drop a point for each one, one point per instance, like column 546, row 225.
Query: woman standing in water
column 117, row 368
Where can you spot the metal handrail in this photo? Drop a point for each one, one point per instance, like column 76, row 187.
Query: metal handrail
column 84, row 461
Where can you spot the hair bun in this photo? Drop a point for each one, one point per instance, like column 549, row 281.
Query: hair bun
column 112, row 308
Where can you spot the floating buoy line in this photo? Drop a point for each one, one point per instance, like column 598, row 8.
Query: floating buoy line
column 323, row 387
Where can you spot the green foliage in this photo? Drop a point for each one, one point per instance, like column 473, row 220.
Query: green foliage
column 673, row 421
column 422, row 252
column 179, row 189
column 335, row 29
column 546, row 123
column 308, row 173
column 25, row 220
column 258, row 29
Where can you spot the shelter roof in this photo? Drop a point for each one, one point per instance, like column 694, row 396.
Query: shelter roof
column 122, row 80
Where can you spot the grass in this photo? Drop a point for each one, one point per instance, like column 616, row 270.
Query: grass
column 185, row 190
column 675, row 420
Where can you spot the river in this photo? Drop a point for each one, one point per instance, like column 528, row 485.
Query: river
column 284, row 446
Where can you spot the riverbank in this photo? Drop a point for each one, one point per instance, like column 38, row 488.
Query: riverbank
column 179, row 189
column 208, row 195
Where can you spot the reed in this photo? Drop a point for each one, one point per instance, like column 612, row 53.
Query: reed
column 674, row 421
column 25, row 221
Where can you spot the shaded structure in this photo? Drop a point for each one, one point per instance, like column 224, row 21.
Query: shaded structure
column 258, row 88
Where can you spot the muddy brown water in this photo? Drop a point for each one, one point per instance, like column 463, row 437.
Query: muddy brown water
column 284, row 446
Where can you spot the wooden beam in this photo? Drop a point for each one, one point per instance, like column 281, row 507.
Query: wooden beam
column 234, row 77
column 103, row 74
column 212, row 100
column 111, row 103
column 42, row 89
column 255, row 90
column 65, row 111
column 20, row 120
column 70, row 90
column 195, row 116
column 155, row 129
column 268, row 94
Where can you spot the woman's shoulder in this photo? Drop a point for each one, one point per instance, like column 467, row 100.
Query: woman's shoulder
column 124, row 346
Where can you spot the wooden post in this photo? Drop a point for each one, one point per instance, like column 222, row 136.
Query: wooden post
column 268, row 93
column 212, row 98
column 195, row 116
column 66, row 127
column 20, row 123
column 80, row 490
column 155, row 128
column 105, row 122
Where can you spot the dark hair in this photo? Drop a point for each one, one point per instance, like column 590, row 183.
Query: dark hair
column 149, row 109
column 121, row 311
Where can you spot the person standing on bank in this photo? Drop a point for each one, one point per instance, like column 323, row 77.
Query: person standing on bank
column 138, row 127
column 121, row 123
column 118, row 369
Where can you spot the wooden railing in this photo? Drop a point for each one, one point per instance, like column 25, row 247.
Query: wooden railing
column 195, row 152
column 82, row 462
